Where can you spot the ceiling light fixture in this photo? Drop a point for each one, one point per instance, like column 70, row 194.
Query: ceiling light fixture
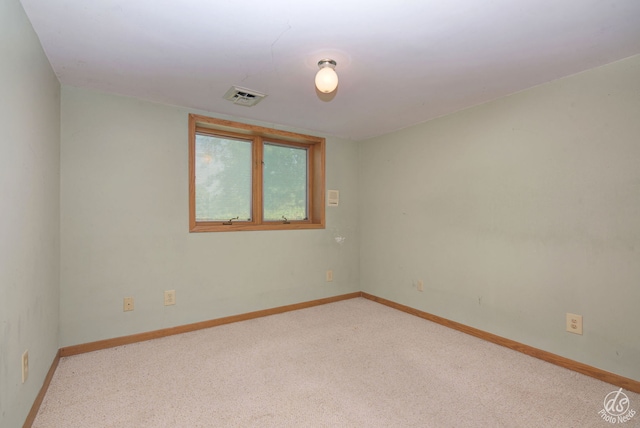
column 326, row 78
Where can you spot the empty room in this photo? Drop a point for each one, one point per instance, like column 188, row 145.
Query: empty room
column 281, row 214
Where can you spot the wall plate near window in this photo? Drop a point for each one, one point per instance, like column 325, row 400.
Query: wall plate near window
column 333, row 197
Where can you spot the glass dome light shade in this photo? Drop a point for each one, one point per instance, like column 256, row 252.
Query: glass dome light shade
column 326, row 78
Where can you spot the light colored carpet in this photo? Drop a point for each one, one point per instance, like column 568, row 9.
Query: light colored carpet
column 354, row 363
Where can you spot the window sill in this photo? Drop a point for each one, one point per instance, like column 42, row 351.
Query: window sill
column 217, row 227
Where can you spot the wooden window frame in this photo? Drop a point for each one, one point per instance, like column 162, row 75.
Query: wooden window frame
column 259, row 135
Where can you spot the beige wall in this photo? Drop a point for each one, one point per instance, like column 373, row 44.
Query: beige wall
column 29, row 212
column 516, row 212
column 125, row 229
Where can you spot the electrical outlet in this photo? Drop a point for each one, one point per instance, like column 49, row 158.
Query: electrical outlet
column 329, row 276
column 574, row 323
column 25, row 366
column 420, row 285
column 128, row 304
column 170, row 297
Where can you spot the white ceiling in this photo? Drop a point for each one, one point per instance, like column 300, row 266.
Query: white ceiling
column 400, row 62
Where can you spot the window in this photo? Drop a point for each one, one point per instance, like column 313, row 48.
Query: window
column 245, row 177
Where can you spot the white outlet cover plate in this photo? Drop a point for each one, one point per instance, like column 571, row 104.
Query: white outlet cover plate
column 25, row 366
column 170, row 297
column 574, row 323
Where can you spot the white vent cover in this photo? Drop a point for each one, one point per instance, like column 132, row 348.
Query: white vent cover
column 243, row 96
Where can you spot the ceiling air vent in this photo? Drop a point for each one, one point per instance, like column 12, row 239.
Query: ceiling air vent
column 243, row 96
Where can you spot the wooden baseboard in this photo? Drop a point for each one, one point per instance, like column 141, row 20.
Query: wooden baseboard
column 141, row 337
column 38, row 401
column 612, row 378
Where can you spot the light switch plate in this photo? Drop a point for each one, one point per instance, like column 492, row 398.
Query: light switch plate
column 333, row 198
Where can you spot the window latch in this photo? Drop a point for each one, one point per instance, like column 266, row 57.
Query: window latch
column 285, row 220
column 230, row 222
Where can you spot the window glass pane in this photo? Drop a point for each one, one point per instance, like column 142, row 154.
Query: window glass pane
column 223, row 178
column 285, row 182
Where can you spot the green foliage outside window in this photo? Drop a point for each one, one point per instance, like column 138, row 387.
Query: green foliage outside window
column 223, row 180
column 285, row 182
